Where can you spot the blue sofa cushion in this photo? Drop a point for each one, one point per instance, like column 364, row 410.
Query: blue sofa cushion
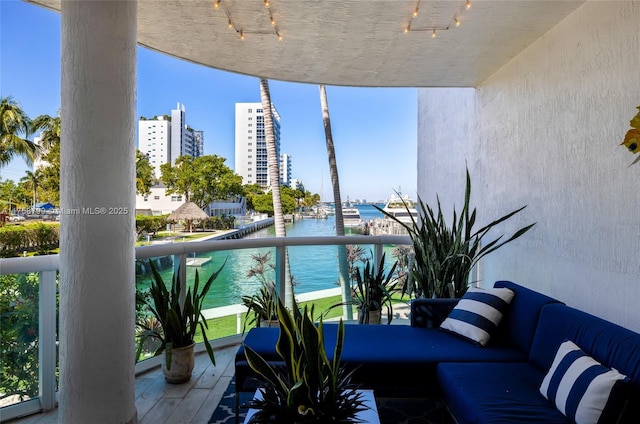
column 507, row 393
column 477, row 315
column 582, row 389
column 519, row 324
column 608, row 343
column 386, row 356
column 429, row 313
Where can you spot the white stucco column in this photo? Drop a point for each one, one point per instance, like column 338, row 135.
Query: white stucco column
column 97, row 381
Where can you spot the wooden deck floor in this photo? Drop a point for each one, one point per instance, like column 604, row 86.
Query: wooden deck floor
column 158, row 402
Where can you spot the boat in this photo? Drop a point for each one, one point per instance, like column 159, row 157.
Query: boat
column 351, row 217
column 402, row 208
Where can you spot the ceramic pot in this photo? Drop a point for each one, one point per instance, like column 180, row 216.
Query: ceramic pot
column 269, row 323
column 181, row 365
column 375, row 317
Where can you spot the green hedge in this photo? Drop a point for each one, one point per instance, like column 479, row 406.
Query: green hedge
column 38, row 236
column 150, row 224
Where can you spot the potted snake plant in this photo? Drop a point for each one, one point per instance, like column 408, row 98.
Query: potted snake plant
column 262, row 307
column 445, row 253
column 179, row 319
column 309, row 388
column 372, row 291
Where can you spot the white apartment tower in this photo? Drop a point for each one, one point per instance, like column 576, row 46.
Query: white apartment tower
column 251, row 145
column 285, row 169
column 164, row 138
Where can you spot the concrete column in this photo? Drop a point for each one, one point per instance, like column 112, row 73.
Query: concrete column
column 97, row 380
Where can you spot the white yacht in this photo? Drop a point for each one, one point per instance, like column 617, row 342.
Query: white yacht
column 351, row 217
column 402, row 208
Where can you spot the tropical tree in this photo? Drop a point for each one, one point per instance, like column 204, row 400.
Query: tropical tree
column 273, row 166
column 201, row 180
column 12, row 195
column 15, row 128
column 50, row 174
column 263, row 202
column 335, row 183
column 32, row 180
column 251, row 191
column 145, row 176
column 50, row 130
column 310, row 199
column 49, row 144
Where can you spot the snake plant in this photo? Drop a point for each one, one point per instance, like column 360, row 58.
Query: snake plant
column 445, row 254
column 180, row 318
column 310, row 387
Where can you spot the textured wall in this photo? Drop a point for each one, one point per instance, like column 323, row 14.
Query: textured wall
column 544, row 131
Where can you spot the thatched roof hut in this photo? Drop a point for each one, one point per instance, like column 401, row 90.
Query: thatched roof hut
column 189, row 212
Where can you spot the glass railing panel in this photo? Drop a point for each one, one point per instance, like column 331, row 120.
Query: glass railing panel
column 19, row 338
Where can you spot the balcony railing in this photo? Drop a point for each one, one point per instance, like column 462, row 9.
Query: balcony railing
column 45, row 269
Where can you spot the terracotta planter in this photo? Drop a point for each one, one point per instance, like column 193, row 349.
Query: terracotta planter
column 181, row 365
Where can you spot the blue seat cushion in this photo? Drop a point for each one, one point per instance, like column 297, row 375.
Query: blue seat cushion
column 389, row 356
column 496, row 393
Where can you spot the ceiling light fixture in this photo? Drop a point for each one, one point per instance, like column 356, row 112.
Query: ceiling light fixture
column 216, row 4
column 433, row 25
column 242, row 32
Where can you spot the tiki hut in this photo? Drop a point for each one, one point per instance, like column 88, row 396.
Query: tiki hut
column 188, row 212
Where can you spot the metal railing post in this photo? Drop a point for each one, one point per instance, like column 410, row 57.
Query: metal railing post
column 180, row 267
column 281, row 257
column 377, row 254
column 47, row 339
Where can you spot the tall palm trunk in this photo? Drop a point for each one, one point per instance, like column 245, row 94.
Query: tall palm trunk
column 343, row 266
column 273, row 166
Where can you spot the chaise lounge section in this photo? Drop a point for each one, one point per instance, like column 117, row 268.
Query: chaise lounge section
column 499, row 382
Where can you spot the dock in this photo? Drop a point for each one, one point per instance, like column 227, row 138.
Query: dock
column 198, row 262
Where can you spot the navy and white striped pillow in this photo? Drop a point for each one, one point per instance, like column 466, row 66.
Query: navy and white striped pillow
column 582, row 388
column 478, row 313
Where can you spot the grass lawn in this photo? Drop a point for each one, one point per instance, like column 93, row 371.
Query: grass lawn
column 226, row 326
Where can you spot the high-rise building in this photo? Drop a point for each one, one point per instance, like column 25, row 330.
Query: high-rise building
column 164, row 138
column 251, row 145
column 285, row 169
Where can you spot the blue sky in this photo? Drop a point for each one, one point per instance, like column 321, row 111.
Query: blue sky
column 374, row 129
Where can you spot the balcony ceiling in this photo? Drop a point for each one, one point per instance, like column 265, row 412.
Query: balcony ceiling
column 349, row 42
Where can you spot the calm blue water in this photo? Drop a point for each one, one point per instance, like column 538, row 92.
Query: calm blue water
column 313, row 267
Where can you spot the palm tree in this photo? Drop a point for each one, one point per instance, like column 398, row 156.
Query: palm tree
column 335, row 183
column 33, row 179
column 273, row 166
column 15, row 128
column 50, row 130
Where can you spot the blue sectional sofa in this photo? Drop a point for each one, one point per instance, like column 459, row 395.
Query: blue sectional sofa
column 498, row 383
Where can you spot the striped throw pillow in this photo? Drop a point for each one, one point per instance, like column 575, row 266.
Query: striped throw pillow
column 582, row 389
column 478, row 313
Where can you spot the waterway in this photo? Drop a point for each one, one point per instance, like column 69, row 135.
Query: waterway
column 313, row 267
